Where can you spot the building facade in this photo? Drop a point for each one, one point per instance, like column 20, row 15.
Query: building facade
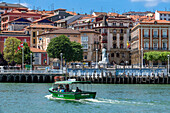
column 16, row 34
column 114, row 35
column 45, row 38
column 162, row 15
column 41, row 58
column 147, row 36
column 90, row 42
column 14, row 14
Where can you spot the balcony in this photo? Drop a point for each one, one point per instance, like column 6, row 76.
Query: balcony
column 104, row 41
column 104, row 34
column 146, row 36
column 96, row 42
column 155, row 36
column 164, row 36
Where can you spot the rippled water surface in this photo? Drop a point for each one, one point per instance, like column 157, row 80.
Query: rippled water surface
column 35, row 98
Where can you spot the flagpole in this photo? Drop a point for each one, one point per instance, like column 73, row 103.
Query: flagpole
column 23, row 58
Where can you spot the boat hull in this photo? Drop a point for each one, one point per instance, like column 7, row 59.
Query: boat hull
column 73, row 95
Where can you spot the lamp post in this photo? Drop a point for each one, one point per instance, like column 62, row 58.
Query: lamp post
column 142, row 56
column 61, row 66
column 30, row 62
column 96, row 58
column 168, row 65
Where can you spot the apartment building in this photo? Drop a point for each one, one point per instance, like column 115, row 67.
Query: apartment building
column 90, row 42
column 114, row 35
column 162, row 15
column 45, row 38
column 147, row 36
column 14, row 14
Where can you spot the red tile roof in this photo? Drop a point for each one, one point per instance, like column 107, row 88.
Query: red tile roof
column 165, row 12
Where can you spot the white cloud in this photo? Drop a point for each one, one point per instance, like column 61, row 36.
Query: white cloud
column 151, row 3
column 25, row 4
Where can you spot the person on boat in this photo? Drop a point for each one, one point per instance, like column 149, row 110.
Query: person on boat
column 78, row 90
column 58, row 88
column 67, row 88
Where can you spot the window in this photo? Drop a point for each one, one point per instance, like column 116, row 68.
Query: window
column 161, row 19
column 155, row 33
column 114, row 31
column 86, row 27
column 68, row 35
column 121, row 37
column 33, row 41
column 81, row 28
column 112, row 55
column 33, row 34
column 25, row 40
column 114, row 37
column 85, row 57
column 117, row 54
column 85, row 46
column 169, row 15
column 4, row 42
column 155, row 45
column 121, row 30
column 121, row 46
column 164, row 45
column 114, row 46
column 121, row 24
column 164, row 18
column 59, row 16
column 164, row 14
column 164, row 33
column 114, row 24
column 160, row 14
column 146, row 45
column 146, row 33
column 75, row 35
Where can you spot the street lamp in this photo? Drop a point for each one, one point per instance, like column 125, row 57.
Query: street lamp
column 142, row 56
column 61, row 66
column 168, row 65
column 96, row 58
column 30, row 62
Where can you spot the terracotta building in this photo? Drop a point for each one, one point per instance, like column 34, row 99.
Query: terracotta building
column 21, row 35
column 147, row 36
column 9, row 16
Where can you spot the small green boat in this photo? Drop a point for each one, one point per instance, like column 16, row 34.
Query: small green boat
column 59, row 91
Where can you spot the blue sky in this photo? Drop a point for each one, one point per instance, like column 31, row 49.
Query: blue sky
column 85, row 6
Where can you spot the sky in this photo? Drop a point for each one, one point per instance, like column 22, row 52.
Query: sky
column 86, row 6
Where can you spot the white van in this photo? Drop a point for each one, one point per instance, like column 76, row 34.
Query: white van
column 1, row 69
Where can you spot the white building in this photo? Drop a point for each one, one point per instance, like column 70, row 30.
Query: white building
column 162, row 15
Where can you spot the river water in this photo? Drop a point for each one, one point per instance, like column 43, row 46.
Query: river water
column 35, row 98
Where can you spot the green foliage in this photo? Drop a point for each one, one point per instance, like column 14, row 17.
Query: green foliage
column 156, row 55
column 62, row 44
column 27, row 55
column 77, row 51
column 10, row 54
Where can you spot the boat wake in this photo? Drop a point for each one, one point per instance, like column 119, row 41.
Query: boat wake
column 102, row 101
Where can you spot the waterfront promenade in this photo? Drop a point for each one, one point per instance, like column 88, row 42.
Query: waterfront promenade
column 103, row 76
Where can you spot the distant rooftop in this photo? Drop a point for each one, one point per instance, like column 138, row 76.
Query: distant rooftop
column 4, row 4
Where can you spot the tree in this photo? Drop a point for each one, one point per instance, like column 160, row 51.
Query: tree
column 156, row 55
column 27, row 55
column 10, row 54
column 61, row 44
column 77, row 51
column 2, row 61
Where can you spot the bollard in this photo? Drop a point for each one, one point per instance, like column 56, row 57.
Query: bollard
column 132, row 79
column 163, row 79
column 106, row 77
column 102, row 77
column 128, row 78
column 110, row 74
